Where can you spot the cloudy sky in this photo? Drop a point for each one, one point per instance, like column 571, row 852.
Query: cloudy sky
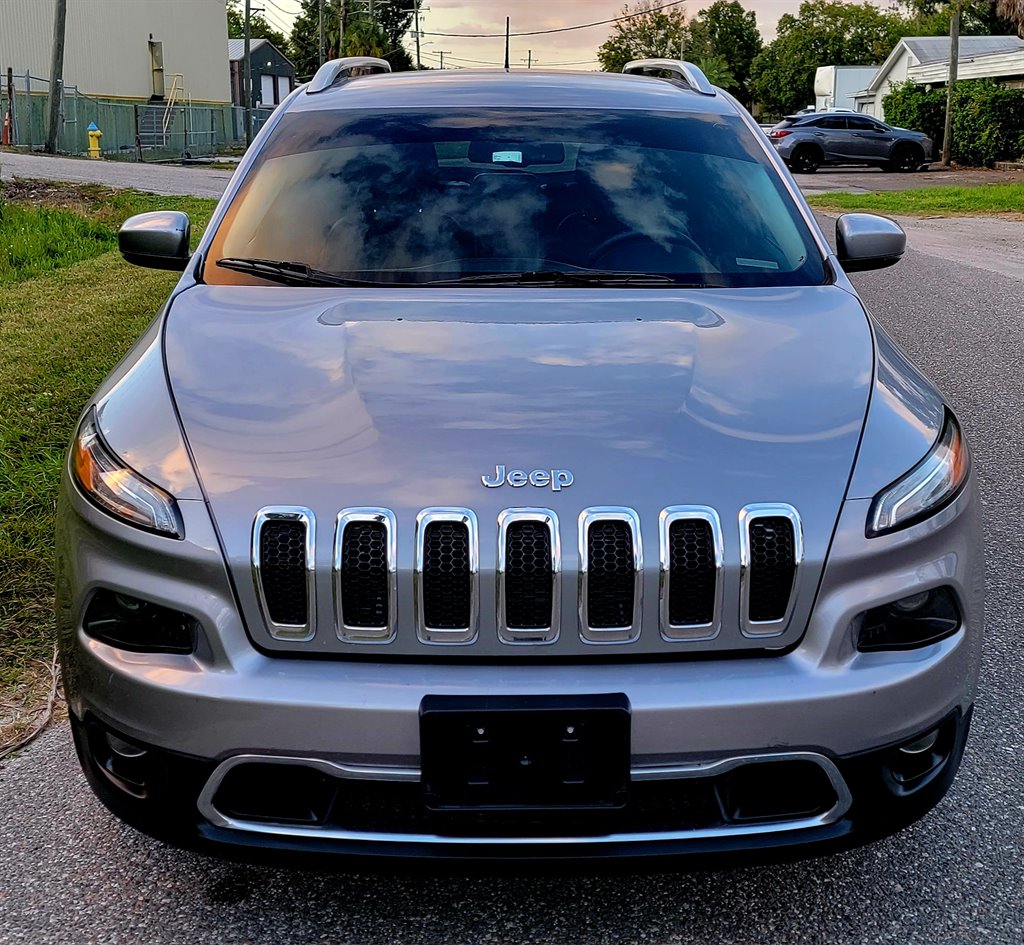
column 574, row 49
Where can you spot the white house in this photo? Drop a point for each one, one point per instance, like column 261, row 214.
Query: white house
column 925, row 60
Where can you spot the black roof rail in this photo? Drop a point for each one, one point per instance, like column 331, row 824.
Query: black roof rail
column 330, row 72
column 687, row 71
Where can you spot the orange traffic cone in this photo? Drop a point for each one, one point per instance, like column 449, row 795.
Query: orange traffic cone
column 5, row 138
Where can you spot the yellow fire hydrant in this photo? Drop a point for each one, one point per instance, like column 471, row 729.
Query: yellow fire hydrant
column 94, row 140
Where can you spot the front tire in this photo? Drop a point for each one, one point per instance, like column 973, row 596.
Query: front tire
column 906, row 158
column 806, row 159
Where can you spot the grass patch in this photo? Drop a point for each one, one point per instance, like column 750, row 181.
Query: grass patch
column 65, row 321
column 982, row 200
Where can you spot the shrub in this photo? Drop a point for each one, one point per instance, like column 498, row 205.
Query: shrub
column 988, row 118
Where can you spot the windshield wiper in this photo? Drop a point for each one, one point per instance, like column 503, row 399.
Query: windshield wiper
column 293, row 273
column 545, row 277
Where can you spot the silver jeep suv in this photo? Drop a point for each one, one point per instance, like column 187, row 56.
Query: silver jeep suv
column 515, row 472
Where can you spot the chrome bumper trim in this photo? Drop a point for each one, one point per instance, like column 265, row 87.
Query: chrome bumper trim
column 638, row 773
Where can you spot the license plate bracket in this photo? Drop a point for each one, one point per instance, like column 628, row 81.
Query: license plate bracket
column 525, row 752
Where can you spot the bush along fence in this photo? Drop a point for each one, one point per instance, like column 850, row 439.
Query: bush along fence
column 988, row 118
column 131, row 131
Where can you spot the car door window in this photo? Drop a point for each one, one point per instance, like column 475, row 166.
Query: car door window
column 833, row 124
column 863, row 124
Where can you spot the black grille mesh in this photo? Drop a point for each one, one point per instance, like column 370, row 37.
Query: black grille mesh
column 528, row 588
column 692, row 575
column 283, row 571
column 610, row 578
column 364, row 575
column 446, row 576
column 772, row 567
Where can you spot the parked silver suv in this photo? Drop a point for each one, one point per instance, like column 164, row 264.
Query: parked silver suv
column 515, row 472
column 806, row 142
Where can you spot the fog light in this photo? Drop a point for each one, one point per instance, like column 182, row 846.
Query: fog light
column 914, row 763
column 916, row 620
column 124, row 749
column 130, row 623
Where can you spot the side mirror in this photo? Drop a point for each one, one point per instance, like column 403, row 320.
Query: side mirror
column 157, row 240
column 865, row 241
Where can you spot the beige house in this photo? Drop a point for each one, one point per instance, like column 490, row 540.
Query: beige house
column 131, row 49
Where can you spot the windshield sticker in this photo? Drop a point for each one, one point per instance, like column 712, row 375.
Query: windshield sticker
column 757, row 263
column 515, row 157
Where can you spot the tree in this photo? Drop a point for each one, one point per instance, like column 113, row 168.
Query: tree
column 823, row 33
column 977, row 17
column 725, row 30
column 718, row 71
column 258, row 25
column 1013, row 12
column 653, row 34
column 382, row 36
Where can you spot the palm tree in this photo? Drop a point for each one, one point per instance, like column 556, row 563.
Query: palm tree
column 718, row 71
column 1012, row 10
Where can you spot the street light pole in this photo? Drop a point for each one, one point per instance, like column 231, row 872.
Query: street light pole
column 247, row 73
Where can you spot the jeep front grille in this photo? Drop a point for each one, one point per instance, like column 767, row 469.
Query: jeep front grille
column 771, row 550
column 365, row 562
column 528, row 568
column 446, row 571
column 611, row 575
column 283, row 543
column 691, row 570
column 528, row 588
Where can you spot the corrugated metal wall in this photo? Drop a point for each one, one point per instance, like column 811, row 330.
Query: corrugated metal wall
column 107, row 47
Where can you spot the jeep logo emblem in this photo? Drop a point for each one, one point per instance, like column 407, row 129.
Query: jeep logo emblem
column 557, row 479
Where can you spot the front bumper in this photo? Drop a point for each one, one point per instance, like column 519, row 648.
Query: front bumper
column 823, row 698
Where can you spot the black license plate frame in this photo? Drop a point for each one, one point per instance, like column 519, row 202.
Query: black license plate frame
column 525, row 752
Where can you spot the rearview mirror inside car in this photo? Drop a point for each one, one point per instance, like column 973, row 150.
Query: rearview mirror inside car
column 157, row 240
column 866, row 241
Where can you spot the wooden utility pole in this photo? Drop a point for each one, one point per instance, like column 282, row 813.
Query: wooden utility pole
column 444, row 52
column 416, row 25
column 321, row 33
column 247, row 73
column 60, row 19
column 507, row 21
column 342, row 23
column 954, row 62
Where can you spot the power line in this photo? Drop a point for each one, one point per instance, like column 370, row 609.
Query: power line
column 561, row 29
column 491, row 62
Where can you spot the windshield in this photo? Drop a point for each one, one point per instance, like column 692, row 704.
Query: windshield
column 430, row 196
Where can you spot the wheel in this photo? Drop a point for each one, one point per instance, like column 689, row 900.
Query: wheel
column 906, row 158
column 806, row 159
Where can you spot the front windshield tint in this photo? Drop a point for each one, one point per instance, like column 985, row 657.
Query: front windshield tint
column 435, row 196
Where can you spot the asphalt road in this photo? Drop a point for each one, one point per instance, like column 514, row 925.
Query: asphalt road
column 71, row 874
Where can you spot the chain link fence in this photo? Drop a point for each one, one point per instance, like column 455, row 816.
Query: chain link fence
column 130, row 131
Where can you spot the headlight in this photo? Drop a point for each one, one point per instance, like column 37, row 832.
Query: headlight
column 117, row 488
column 931, row 484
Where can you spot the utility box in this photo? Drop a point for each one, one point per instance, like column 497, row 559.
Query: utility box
column 836, row 86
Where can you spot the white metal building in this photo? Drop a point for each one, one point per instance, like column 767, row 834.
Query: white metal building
column 134, row 49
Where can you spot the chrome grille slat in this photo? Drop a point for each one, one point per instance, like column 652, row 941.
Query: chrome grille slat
column 447, row 588
column 285, row 580
column 595, row 583
column 699, row 615
column 517, row 578
column 771, row 554
column 365, row 589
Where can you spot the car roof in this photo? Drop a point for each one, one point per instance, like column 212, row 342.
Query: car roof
column 496, row 88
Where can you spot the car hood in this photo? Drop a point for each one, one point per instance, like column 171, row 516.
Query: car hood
column 404, row 399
